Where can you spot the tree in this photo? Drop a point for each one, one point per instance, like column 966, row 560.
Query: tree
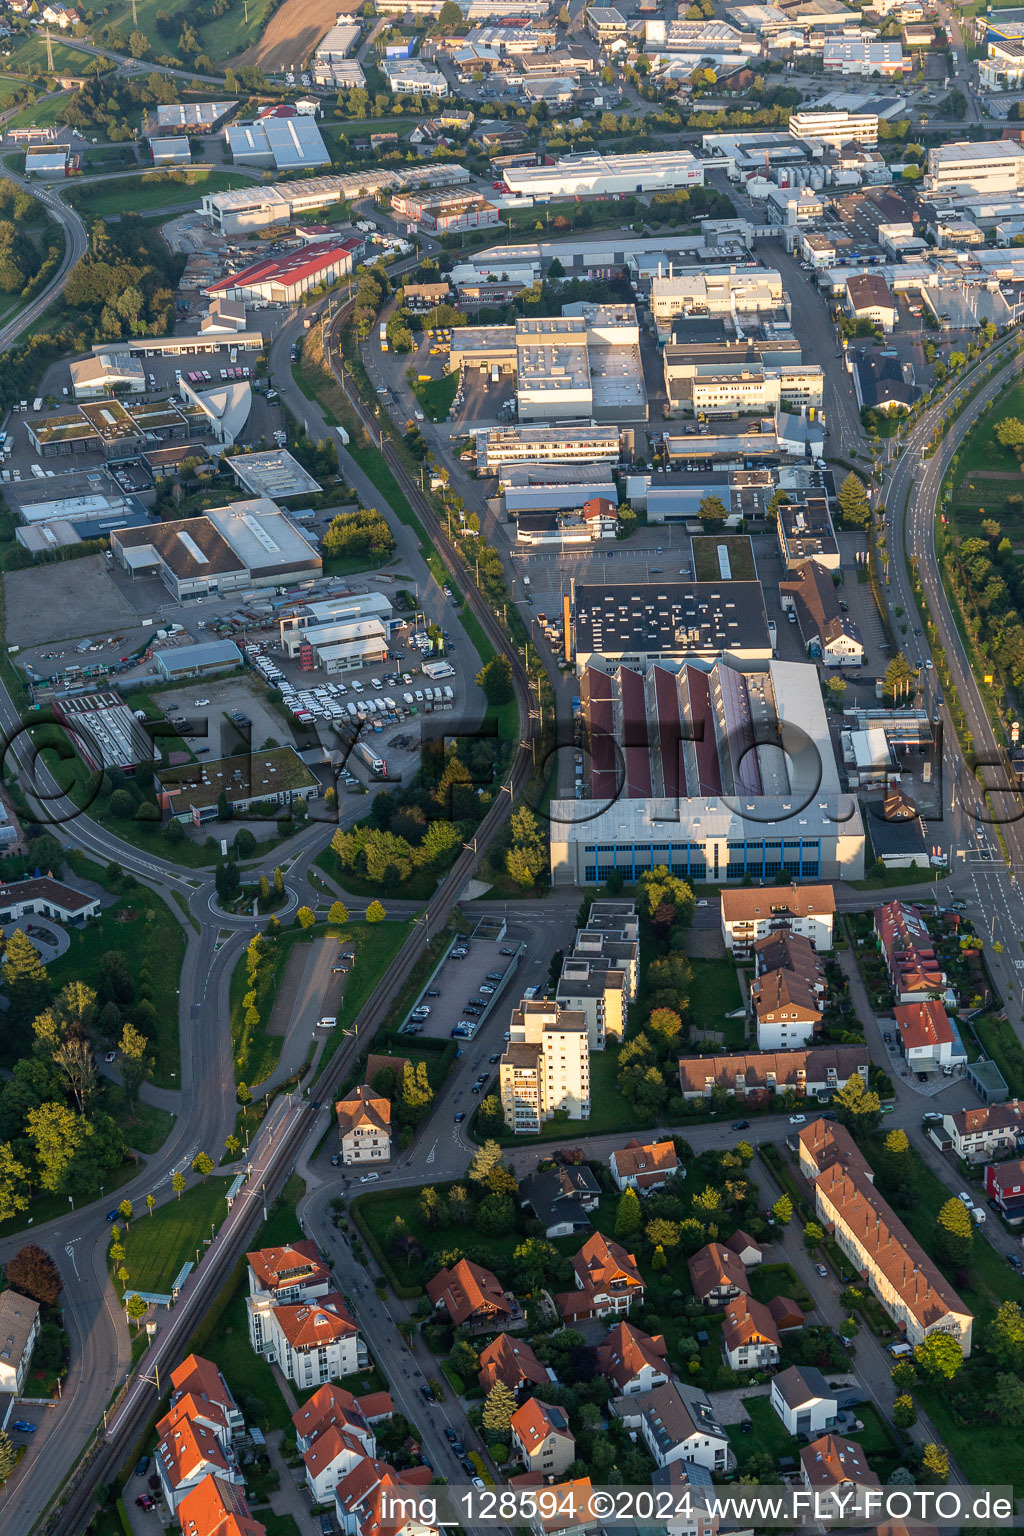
column 448, row 17
column 135, row 1065
column 58, row 1133
column 486, row 1158
column 202, row 1164
column 499, row 1406
column 1005, row 1336
column 836, row 685
column 1007, row 1403
column 232, row 1146
column 338, row 915
column 939, row 1355
column 496, row 681
column 956, row 1234
column 897, row 1163
column 661, row 1233
column 935, row 1462
column 123, row 1278
column 859, row 1108
column 903, row 1376
column 8, row 1459
column 782, row 1210
column 34, row 1273
column 75, row 1060
column 628, row 1215
column 666, row 1023
column 305, row 917
column 853, row 502
column 227, row 881
column 899, row 675
column 178, row 1183
column 244, row 1096
column 712, row 509
column 126, row 1211
column 25, row 976
column 904, row 1411
column 375, row 913
column 813, row 1234
column 151, row 1203
column 136, row 1309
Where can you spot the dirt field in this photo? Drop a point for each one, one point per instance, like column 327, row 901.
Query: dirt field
column 292, row 33
column 69, row 601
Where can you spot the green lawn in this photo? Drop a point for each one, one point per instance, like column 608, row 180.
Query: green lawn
column 146, row 1127
column 151, row 191
column 437, row 396
column 714, row 992
column 157, row 1246
column 768, row 1435
column 143, row 928
column 41, row 114
column 29, row 58
column 1001, row 1045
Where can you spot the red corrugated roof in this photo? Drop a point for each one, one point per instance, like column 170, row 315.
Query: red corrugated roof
column 288, row 269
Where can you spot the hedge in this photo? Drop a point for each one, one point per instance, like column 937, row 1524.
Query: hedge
column 122, row 1515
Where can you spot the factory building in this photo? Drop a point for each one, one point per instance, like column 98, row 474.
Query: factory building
column 983, row 169
column 646, row 622
column 187, row 117
column 284, row 279
column 246, row 544
column 595, row 174
column 259, row 207
column 286, row 143
column 546, row 445
column 717, row 770
column 715, row 292
column 837, row 128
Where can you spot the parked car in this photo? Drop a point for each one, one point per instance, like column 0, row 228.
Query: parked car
column 741, row 1125
column 450, row 1434
column 23, row 1427
column 821, row 1270
column 335, row 1159
column 798, row 1119
column 140, row 1465
column 146, row 1501
column 368, row 1178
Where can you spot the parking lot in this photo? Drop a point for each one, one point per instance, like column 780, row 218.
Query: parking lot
column 459, row 981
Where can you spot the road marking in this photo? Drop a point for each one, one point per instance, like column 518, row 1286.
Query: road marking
column 69, row 1249
column 431, row 1154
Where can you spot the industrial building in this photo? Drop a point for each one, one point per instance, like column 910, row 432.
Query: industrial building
column 187, row 117
column 205, row 659
column 835, row 128
column 274, row 776
column 286, row 143
column 546, row 445
column 284, row 279
column 105, row 732
column 342, row 607
column 647, row 622
column 173, row 150
column 224, row 408
column 984, row 169
column 864, row 56
column 719, row 772
column 806, row 532
column 736, row 381
column 259, row 207
column 721, row 291
column 49, row 162
column 246, row 544
column 596, row 174
column 274, row 473
column 552, row 488
column 105, row 373
column 338, row 43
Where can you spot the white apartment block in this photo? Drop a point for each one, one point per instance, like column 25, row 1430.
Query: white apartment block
column 985, row 169
column 312, row 1342
column 412, row 77
column 546, row 1066
column 598, row 992
column 836, row 128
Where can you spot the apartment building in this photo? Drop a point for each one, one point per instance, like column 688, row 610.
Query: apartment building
column 598, row 991
column 313, row 1342
column 541, row 1437
column 545, row 1067
column 749, row 914
column 906, row 1281
column 787, row 1010
column 836, row 128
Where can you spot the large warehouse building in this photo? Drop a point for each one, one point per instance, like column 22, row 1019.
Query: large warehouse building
column 639, row 624
column 283, row 202
column 985, row 169
column 284, row 279
column 245, row 544
column 719, row 771
column 286, row 143
column 596, row 174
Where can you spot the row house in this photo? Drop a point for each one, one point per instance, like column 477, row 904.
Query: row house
column 906, row 1281
column 199, row 1390
column 816, row 1073
column 914, row 972
column 186, row 1453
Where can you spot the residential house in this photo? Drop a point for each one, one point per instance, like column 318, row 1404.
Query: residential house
column 804, row 1402
column 927, row 1037
column 364, row 1126
column 749, row 913
column 836, row 1465
column 19, row 1329
column 513, row 1362
column 607, row 1281
column 978, row 1134
column 568, row 1510
column 312, row 1341
column 57, row 15
column 909, row 1285
column 787, row 1010
column 471, row 1294
column 215, row 1507
column 915, row 974
column 1004, row 1183
column 788, row 951
column 198, row 1384
column 643, row 1166
column 633, row 1361
column 187, row 1454
column 676, row 1423
column 750, row 1339
column 561, row 1198
column 828, row 632
column 329, row 1460
column 810, row 1074
column 745, row 1248
column 542, row 1438
column 292, row 1273
column 717, row 1275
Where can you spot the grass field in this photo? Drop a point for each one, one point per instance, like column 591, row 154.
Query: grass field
column 29, row 58
column 157, row 1246
column 609, row 1109
column 146, row 193
column 714, row 992
column 987, row 472
column 41, row 114
column 145, row 930
column 437, row 396
column 705, row 558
